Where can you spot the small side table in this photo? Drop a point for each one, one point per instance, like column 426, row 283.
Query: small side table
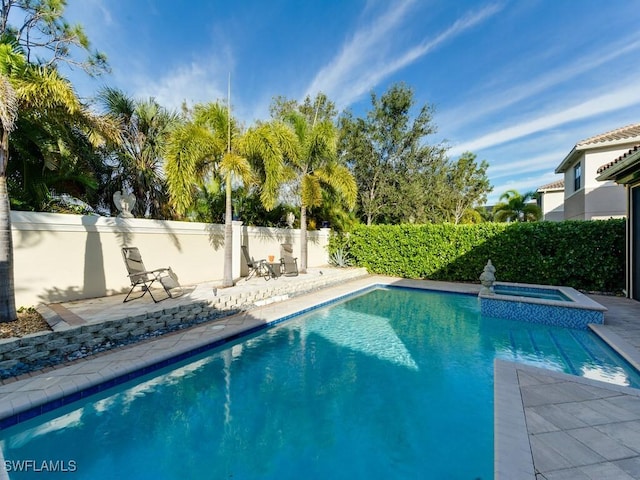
column 276, row 268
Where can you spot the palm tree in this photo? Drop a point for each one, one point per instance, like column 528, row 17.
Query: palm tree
column 207, row 145
column 27, row 88
column 8, row 116
column 310, row 167
column 145, row 127
column 53, row 152
column 514, row 207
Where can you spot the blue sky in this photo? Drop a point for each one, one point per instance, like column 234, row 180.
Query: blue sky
column 519, row 83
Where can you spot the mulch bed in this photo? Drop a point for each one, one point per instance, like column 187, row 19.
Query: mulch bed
column 29, row 321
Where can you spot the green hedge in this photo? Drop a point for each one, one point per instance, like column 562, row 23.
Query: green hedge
column 586, row 255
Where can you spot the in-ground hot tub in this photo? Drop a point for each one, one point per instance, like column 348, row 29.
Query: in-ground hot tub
column 549, row 305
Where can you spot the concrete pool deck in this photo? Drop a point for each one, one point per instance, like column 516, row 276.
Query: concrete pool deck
column 547, row 425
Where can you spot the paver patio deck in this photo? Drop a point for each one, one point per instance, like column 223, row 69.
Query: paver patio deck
column 547, row 425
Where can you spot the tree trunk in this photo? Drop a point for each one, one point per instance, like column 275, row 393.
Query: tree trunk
column 303, row 239
column 7, row 294
column 227, row 280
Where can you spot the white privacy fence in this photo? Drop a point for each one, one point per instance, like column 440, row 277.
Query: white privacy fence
column 60, row 257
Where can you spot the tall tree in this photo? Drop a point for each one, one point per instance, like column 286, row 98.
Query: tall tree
column 52, row 150
column 43, row 90
column 393, row 164
column 517, row 207
column 207, row 145
column 8, row 115
column 468, row 186
column 34, row 85
column 46, row 38
column 313, row 166
column 138, row 159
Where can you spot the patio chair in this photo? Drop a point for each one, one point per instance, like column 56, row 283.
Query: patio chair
column 260, row 268
column 288, row 261
column 140, row 276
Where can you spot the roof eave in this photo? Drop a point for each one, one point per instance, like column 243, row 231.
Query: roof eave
column 550, row 190
column 568, row 160
column 613, row 171
column 610, row 143
column 573, row 154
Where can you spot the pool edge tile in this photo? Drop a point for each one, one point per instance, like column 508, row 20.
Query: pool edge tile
column 618, row 344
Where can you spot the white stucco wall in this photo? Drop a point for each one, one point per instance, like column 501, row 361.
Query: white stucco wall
column 61, row 257
column 553, row 205
column 594, row 200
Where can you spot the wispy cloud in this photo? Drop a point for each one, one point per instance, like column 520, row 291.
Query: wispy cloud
column 356, row 56
column 622, row 97
column 367, row 59
column 502, row 99
column 191, row 83
column 547, row 161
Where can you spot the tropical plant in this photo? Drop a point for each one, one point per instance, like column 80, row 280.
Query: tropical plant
column 307, row 170
column 204, row 146
column 248, row 207
column 515, row 207
column 31, row 89
column 53, row 150
column 137, row 160
column 332, row 213
column 8, row 115
column 340, row 258
column 38, row 86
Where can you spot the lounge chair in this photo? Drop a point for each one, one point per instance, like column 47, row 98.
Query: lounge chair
column 257, row 267
column 288, row 261
column 140, row 276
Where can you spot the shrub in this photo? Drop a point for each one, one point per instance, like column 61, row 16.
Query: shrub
column 586, row 255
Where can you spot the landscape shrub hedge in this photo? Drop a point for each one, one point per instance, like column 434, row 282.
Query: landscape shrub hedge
column 586, row 255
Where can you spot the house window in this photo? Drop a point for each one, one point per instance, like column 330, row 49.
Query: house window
column 577, row 177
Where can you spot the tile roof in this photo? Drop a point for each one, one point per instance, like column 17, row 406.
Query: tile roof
column 618, row 160
column 557, row 185
column 628, row 135
column 620, row 134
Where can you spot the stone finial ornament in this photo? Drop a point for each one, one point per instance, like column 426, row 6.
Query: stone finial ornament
column 487, row 277
column 124, row 203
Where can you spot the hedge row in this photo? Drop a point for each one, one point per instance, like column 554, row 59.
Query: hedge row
column 586, row 255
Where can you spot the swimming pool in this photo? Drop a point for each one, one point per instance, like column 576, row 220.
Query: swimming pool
column 396, row 383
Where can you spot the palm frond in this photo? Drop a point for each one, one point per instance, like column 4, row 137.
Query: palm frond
column 310, row 191
column 236, row 165
column 187, row 151
column 215, row 116
column 8, row 104
column 268, row 143
column 341, row 180
column 43, row 88
column 116, row 103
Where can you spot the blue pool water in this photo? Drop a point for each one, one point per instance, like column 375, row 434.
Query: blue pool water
column 395, row 383
column 541, row 293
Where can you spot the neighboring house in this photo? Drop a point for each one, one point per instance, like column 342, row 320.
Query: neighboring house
column 625, row 171
column 551, row 201
column 585, row 198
